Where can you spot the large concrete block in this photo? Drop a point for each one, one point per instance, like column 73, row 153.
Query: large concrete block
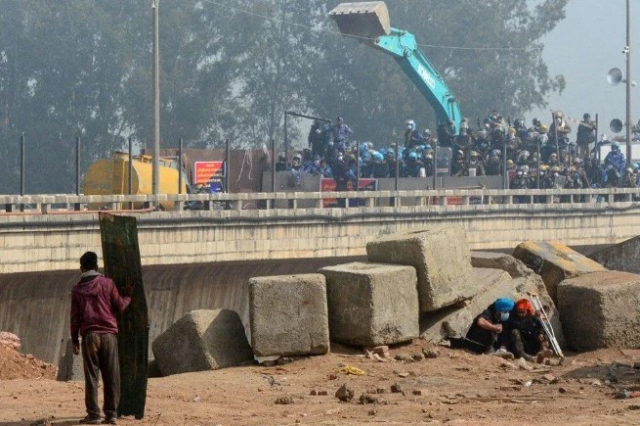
column 486, row 259
column 601, row 310
column 202, row 340
column 288, row 315
column 372, row 304
column 493, row 284
column 554, row 262
column 442, row 260
column 620, row 257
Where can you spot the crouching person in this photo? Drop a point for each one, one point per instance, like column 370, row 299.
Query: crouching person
column 526, row 333
column 488, row 331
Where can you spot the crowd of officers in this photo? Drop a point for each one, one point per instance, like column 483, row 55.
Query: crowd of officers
column 539, row 156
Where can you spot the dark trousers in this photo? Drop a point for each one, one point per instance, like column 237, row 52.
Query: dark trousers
column 100, row 355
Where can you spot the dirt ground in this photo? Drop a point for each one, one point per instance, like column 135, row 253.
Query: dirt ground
column 454, row 388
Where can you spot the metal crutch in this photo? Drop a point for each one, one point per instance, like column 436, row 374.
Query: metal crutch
column 546, row 324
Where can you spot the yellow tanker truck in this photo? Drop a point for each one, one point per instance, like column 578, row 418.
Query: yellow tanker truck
column 111, row 177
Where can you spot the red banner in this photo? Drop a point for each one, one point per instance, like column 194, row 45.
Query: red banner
column 329, row 185
column 203, row 171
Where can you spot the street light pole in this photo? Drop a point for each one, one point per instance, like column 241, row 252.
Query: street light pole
column 628, row 83
column 155, row 5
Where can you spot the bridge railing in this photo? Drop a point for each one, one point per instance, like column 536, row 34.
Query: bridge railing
column 440, row 199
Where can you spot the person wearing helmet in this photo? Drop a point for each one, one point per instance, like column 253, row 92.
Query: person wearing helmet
column 465, row 140
column 615, row 158
column 596, row 176
column 412, row 166
column 412, row 137
column 317, row 139
column 446, row 134
column 281, row 165
column 546, row 179
column 522, row 180
column 379, row 169
column 586, row 134
column 294, row 177
column 488, row 330
column 476, row 165
column 526, row 332
column 458, row 164
column 629, row 179
column 340, row 133
column 523, row 158
column 559, row 130
column 325, row 169
column 494, row 164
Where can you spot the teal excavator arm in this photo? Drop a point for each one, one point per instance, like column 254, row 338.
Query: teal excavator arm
column 369, row 22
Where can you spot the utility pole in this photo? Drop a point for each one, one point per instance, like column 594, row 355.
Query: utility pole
column 629, row 124
column 155, row 5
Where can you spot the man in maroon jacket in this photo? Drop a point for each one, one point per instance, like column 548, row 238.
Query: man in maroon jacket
column 94, row 302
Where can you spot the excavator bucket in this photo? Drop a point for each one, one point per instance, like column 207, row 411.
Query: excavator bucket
column 369, row 19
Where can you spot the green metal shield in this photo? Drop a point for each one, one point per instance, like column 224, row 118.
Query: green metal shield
column 121, row 255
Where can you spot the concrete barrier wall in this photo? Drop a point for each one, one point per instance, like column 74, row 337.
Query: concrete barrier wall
column 36, row 306
column 55, row 242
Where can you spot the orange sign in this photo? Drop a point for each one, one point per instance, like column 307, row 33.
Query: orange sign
column 203, row 171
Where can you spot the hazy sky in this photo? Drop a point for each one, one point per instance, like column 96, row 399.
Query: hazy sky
column 584, row 47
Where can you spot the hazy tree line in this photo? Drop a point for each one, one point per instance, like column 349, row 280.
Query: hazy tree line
column 83, row 68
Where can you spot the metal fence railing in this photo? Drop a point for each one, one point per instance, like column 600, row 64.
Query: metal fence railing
column 434, row 199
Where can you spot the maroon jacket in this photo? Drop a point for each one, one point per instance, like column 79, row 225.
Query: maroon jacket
column 94, row 303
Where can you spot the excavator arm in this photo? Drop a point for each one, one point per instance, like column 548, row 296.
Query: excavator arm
column 369, row 22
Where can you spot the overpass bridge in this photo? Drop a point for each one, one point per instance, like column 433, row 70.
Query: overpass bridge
column 45, row 233
column 202, row 259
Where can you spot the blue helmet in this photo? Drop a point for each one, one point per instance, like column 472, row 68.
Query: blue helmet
column 413, row 156
column 378, row 157
column 504, row 304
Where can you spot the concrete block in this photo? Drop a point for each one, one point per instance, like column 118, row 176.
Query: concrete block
column 601, row 310
column 288, row 315
column 554, row 262
column 441, row 257
column 505, row 262
column 620, row 257
column 372, row 304
column 493, row 284
column 202, row 340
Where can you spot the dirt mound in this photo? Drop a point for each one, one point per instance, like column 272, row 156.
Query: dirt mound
column 16, row 365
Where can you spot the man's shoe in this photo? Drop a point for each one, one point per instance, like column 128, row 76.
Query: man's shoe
column 109, row 421
column 90, row 420
column 504, row 354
